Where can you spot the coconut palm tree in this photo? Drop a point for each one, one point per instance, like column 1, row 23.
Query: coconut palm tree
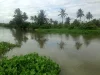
column 80, row 13
column 89, row 16
column 62, row 14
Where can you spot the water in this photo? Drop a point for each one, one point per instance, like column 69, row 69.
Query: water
column 76, row 54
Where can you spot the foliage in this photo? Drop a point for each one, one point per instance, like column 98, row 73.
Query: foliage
column 80, row 13
column 62, row 14
column 89, row 15
column 32, row 18
column 19, row 18
column 76, row 23
column 5, row 46
column 31, row 64
column 71, row 31
column 67, row 21
column 40, row 19
column 25, row 17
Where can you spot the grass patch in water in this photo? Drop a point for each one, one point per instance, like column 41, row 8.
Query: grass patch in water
column 5, row 46
column 31, row 64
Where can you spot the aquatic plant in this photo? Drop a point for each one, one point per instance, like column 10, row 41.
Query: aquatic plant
column 5, row 46
column 31, row 64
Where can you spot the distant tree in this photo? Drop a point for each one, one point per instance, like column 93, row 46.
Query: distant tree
column 35, row 18
column 89, row 16
column 32, row 18
column 55, row 22
column 51, row 21
column 80, row 14
column 41, row 17
column 67, row 21
column 76, row 23
column 18, row 17
column 25, row 17
column 96, row 22
column 62, row 14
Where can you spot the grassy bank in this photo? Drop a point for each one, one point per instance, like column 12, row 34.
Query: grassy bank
column 73, row 31
column 31, row 64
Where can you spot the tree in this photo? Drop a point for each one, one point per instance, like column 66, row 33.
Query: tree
column 89, row 16
column 62, row 14
column 41, row 17
column 55, row 22
column 32, row 18
column 51, row 21
column 25, row 17
column 76, row 23
column 67, row 21
column 80, row 14
column 18, row 18
column 35, row 19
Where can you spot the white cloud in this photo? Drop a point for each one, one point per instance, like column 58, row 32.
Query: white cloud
column 52, row 7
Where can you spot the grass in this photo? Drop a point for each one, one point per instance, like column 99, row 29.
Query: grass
column 31, row 64
column 5, row 46
column 65, row 30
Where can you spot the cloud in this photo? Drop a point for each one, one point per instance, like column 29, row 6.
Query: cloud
column 52, row 7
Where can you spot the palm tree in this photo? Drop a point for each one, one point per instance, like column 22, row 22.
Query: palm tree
column 62, row 14
column 32, row 18
column 80, row 14
column 89, row 16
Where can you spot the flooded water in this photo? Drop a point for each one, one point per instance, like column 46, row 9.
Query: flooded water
column 76, row 54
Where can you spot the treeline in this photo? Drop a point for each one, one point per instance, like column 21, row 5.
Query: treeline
column 41, row 21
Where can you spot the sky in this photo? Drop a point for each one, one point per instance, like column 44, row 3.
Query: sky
column 51, row 7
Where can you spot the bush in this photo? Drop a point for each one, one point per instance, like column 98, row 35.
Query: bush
column 88, row 25
column 31, row 64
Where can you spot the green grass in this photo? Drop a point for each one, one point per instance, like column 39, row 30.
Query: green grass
column 73, row 31
column 31, row 64
column 5, row 46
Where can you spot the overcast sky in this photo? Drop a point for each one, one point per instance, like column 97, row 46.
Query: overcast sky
column 52, row 7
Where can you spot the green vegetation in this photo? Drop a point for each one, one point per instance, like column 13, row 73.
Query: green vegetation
column 80, row 14
column 62, row 14
column 40, row 21
column 4, row 46
column 31, row 64
column 72, row 31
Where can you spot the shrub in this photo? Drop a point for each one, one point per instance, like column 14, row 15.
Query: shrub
column 31, row 64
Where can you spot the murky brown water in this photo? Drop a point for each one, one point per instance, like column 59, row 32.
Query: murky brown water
column 76, row 54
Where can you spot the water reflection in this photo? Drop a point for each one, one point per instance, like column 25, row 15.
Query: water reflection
column 85, row 61
column 75, row 37
column 78, row 45
column 19, row 35
column 40, row 38
column 61, row 45
column 88, row 38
